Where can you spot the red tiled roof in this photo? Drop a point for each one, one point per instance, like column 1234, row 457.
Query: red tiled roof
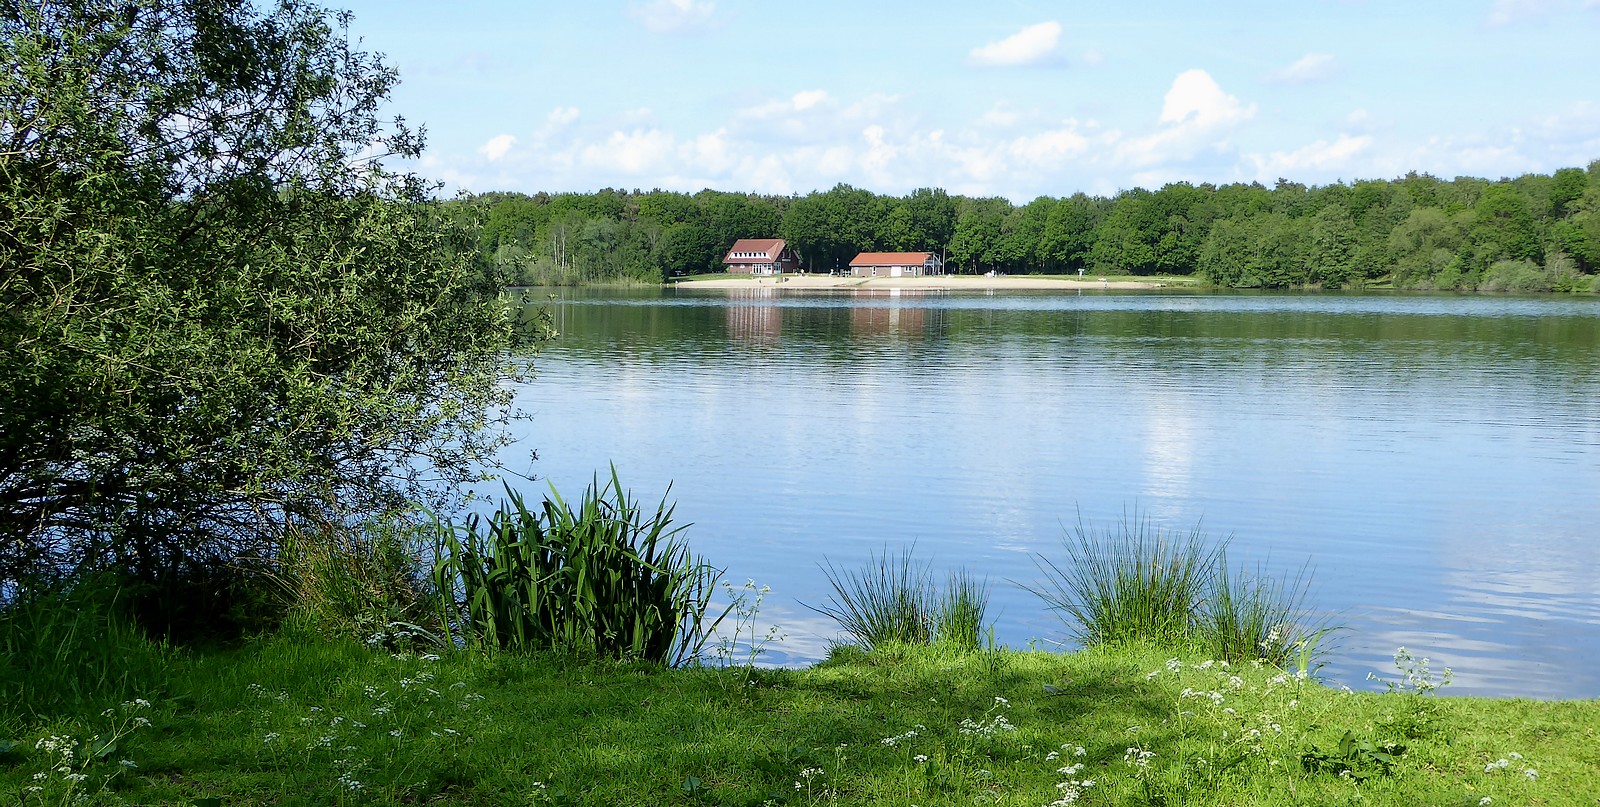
column 771, row 247
column 890, row 259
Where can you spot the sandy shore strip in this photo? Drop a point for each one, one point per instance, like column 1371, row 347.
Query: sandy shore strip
column 936, row 282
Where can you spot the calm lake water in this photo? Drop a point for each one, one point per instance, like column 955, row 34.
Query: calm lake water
column 1436, row 459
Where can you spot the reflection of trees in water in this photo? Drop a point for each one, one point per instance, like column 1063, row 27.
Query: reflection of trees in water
column 751, row 321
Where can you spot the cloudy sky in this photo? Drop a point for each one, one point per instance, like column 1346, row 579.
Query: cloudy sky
column 1015, row 98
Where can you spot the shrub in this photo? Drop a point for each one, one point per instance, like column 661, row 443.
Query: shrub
column 604, row 579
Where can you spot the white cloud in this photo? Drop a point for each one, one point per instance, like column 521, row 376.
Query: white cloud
column 799, row 102
column 808, row 99
column 632, row 152
column 1051, row 148
column 1196, row 99
column 1308, row 68
column 1000, row 116
column 673, row 16
column 497, row 146
column 1033, row 45
column 1321, row 158
column 1361, row 120
column 1196, row 116
column 562, row 115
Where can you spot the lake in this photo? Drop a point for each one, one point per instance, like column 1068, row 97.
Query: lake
column 1435, row 459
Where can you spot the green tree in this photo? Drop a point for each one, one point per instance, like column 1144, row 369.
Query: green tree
column 1566, row 187
column 1069, row 232
column 221, row 313
column 1330, row 248
column 1126, row 240
column 977, row 235
column 933, row 218
column 1505, row 221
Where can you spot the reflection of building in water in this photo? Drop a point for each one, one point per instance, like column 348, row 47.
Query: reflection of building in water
column 752, row 317
column 874, row 315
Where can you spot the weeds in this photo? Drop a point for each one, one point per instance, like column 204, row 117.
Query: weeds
column 354, row 582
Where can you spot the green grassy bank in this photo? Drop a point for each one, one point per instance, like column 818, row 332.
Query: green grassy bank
column 299, row 720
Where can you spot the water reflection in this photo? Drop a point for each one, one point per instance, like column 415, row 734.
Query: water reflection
column 1434, row 457
column 752, row 317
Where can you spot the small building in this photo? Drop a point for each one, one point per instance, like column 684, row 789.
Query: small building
column 761, row 256
column 896, row 264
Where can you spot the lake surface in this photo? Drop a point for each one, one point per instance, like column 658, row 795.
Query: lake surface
column 1436, row 459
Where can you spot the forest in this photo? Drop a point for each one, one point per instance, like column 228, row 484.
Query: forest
column 1532, row 233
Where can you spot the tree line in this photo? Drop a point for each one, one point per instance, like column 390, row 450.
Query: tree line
column 1533, row 233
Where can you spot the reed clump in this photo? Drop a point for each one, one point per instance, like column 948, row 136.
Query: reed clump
column 1138, row 582
column 894, row 600
column 606, row 579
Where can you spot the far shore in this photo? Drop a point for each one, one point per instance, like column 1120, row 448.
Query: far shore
column 934, row 282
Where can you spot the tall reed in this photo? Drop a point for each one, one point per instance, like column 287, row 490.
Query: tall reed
column 1255, row 615
column 605, row 578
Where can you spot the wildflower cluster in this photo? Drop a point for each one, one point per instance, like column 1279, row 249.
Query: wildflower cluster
column 744, row 603
column 73, row 762
column 1072, row 786
column 395, row 726
column 1512, row 760
column 994, row 722
column 910, row 734
column 1417, row 677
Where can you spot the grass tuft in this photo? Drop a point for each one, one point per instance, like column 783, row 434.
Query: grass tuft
column 1137, row 582
column 894, row 601
column 1131, row 582
column 959, row 618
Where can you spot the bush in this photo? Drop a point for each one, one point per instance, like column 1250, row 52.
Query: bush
column 605, row 579
column 1515, row 276
column 222, row 314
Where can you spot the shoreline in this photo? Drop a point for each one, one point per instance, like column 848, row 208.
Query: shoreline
column 936, row 282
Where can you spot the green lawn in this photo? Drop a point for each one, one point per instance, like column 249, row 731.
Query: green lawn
column 304, row 721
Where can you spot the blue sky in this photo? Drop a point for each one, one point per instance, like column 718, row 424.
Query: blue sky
column 1007, row 98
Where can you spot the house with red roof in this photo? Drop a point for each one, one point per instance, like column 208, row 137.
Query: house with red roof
column 761, row 256
column 896, row 264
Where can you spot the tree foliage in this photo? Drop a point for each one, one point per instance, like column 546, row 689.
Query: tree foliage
column 221, row 314
column 1417, row 231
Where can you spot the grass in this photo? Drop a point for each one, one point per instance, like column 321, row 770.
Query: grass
column 298, row 720
column 1132, row 581
column 1137, row 581
column 894, row 601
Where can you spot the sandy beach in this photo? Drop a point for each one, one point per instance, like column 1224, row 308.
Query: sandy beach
column 936, row 282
